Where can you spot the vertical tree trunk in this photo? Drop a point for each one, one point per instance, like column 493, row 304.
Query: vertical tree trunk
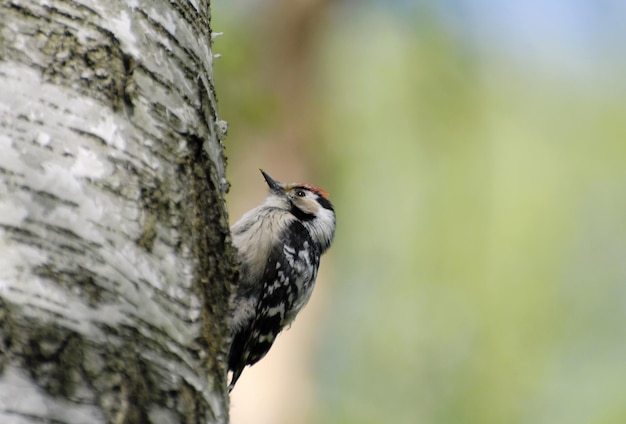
column 115, row 260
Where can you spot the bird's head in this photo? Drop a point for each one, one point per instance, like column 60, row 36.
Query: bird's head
column 307, row 203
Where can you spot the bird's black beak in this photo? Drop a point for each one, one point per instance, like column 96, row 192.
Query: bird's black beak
column 273, row 184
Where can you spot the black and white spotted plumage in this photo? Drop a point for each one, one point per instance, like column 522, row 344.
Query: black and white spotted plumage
column 280, row 244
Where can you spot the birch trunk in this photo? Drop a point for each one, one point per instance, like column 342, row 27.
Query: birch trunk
column 115, row 259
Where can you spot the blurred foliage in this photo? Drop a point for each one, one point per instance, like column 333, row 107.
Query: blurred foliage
column 480, row 259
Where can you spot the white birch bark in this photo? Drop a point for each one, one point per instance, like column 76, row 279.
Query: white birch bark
column 115, row 259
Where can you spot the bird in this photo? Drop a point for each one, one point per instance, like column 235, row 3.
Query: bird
column 279, row 244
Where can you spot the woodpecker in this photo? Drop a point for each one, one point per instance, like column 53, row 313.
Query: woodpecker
column 279, row 246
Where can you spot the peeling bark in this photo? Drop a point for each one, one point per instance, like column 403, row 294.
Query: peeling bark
column 115, row 258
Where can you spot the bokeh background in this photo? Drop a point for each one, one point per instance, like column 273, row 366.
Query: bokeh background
column 475, row 151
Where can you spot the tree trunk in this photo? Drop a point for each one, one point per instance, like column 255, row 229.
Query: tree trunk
column 115, row 258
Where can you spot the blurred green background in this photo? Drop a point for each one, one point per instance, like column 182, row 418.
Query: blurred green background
column 475, row 152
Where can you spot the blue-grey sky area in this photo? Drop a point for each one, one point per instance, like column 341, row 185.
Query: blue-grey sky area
column 582, row 36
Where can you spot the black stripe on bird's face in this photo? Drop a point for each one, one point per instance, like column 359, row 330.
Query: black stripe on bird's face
column 325, row 203
column 300, row 214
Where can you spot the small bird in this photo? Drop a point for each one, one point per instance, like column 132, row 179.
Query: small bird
column 279, row 245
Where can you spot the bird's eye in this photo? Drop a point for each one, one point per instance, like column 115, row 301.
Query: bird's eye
column 300, row 193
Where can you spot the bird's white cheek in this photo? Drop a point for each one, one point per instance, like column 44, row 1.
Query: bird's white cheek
column 308, row 206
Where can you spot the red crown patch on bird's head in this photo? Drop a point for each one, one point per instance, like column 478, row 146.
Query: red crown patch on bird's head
column 315, row 190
